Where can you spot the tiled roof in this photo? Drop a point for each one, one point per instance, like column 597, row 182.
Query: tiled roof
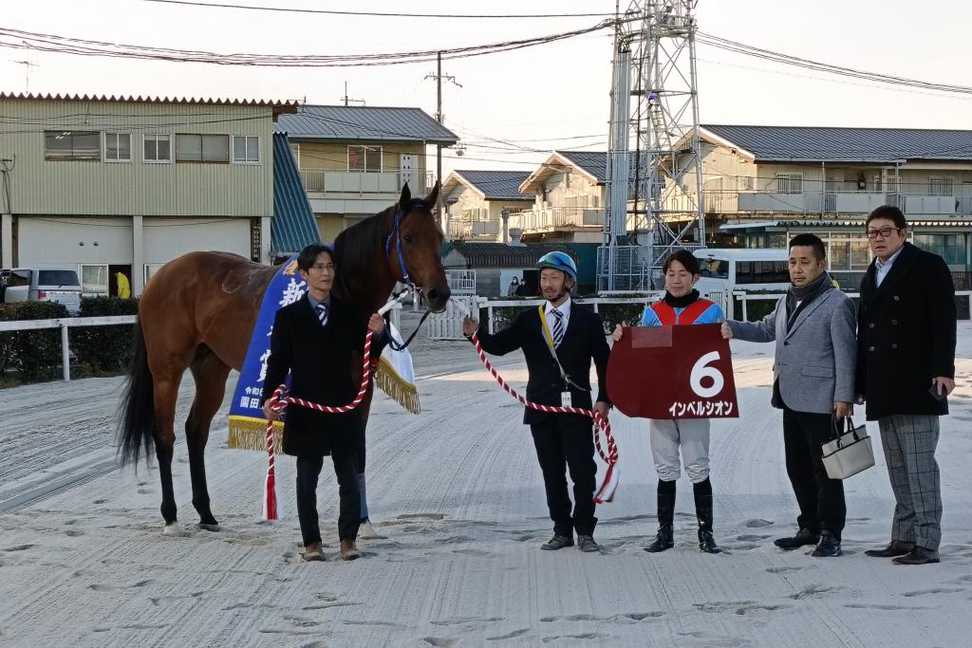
column 365, row 123
column 497, row 185
column 30, row 96
column 832, row 144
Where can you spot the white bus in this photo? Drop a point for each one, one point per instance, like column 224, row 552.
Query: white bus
column 750, row 269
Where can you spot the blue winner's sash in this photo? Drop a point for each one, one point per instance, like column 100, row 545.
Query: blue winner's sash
column 247, row 425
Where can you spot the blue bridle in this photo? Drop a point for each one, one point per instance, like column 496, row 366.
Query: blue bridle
column 396, row 234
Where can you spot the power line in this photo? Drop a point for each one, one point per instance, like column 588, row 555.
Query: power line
column 372, row 14
column 54, row 43
column 796, row 61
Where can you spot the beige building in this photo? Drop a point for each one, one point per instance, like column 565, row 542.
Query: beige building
column 762, row 184
column 354, row 160
column 569, row 195
column 125, row 184
column 478, row 204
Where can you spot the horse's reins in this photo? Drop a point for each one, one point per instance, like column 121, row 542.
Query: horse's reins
column 279, row 402
column 605, row 493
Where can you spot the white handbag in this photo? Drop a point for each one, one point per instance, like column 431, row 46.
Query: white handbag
column 850, row 453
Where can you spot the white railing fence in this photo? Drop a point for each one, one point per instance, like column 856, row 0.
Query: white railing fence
column 64, row 324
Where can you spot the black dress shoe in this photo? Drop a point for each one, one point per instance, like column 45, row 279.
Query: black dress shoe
column 918, row 556
column 557, row 542
column 664, row 540
column 828, row 547
column 894, row 548
column 587, row 544
column 707, row 543
column 803, row 538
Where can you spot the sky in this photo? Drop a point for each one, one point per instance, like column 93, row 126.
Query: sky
column 544, row 97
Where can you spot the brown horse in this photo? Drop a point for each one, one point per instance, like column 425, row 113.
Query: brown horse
column 198, row 313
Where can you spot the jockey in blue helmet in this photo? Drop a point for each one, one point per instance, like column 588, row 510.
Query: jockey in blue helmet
column 559, row 261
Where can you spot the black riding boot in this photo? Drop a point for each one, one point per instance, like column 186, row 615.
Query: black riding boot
column 666, row 517
column 703, row 511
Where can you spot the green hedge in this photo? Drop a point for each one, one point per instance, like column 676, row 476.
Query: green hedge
column 102, row 350
column 31, row 356
column 35, row 356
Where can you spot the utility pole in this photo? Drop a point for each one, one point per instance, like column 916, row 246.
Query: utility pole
column 439, row 117
column 347, row 99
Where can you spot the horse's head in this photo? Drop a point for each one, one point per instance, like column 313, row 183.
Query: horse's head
column 414, row 245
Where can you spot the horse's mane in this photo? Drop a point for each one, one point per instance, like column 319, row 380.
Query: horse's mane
column 360, row 250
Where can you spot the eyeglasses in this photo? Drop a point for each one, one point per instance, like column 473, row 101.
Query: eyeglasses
column 884, row 232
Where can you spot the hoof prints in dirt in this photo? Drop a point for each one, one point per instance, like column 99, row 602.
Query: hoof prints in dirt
column 758, row 523
column 587, row 636
column 624, row 616
column 23, row 547
column 935, row 590
column 813, row 591
column 509, row 635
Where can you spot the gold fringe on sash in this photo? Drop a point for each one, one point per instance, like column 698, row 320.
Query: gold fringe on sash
column 250, row 433
column 397, row 388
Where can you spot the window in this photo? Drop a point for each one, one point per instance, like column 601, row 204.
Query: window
column 57, row 278
column 94, row 279
column 157, row 148
column 151, row 269
column 789, row 183
column 714, row 268
column 72, row 145
column 246, row 149
column 364, row 158
column 202, row 148
column 939, row 186
column 118, row 147
column 950, row 247
column 753, row 272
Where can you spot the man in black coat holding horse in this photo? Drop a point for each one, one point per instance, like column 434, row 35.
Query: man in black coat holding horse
column 320, row 340
column 559, row 340
column 905, row 371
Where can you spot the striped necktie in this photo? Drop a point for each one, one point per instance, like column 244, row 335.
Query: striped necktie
column 321, row 313
column 558, row 327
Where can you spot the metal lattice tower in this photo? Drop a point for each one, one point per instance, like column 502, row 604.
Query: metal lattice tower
column 654, row 165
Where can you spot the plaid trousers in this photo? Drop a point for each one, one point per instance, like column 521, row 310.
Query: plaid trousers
column 909, row 448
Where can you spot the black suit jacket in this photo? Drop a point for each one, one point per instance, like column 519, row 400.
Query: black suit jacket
column 325, row 367
column 584, row 340
column 906, row 335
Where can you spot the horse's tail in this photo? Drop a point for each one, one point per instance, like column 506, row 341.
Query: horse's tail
column 138, row 406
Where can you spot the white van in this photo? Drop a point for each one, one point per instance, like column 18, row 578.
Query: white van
column 751, row 269
column 59, row 285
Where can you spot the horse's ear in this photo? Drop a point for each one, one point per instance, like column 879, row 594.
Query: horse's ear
column 406, row 198
column 430, row 200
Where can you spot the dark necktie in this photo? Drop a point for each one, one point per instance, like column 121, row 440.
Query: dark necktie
column 558, row 327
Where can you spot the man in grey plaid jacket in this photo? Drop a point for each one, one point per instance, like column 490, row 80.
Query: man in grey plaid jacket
column 813, row 383
column 905, row 371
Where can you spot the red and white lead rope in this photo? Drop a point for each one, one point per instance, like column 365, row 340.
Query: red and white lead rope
column 605, row 493
column 279, row 402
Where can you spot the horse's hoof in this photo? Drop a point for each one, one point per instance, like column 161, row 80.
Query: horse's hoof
column 173, row 529
column 208, row 527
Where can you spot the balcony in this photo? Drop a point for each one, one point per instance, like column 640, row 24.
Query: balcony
column 550, row 219
column 363, row 183
column 466, row 230
column 848, row 202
